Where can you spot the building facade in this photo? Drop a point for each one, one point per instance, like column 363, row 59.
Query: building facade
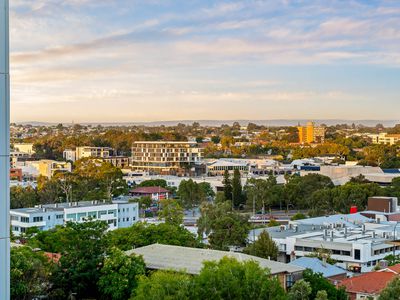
column 24, row 147
column 87, row 152
column 48, row 168
column 166, row 157
column 385, row 138
column 118, row 214
column 311, row 134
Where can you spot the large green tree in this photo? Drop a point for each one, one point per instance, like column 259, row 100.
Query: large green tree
column 263, row 247
column 191, row 194
column 30, row 272
column 237, row 191
column 142, row 234
column 223, row 226
column 164, row 285
column 82, row 253
column 171, row 212
column 230, row 279
column 227, row 182
column 118, row 275
column 392, row 291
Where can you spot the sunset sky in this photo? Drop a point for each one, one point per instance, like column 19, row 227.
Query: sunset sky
column 130, row 60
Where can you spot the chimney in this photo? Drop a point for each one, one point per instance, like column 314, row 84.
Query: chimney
column 324, row 260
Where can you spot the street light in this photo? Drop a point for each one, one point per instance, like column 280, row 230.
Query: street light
column 4, row 154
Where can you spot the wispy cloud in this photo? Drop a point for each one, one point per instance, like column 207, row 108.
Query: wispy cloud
column 205, row 52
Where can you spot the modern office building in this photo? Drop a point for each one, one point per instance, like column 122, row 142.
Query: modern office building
column 311, row 134
column 117, row 214
column 385, row 138
column 166, row 158
column 87, row 152
column 358, row 243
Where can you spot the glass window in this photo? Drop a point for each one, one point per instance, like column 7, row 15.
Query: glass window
column 71, row 217
column 81, row 216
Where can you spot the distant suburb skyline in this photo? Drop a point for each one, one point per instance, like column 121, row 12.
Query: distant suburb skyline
column 150, row 60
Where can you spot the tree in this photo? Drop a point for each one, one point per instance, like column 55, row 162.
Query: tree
column 23, row 197
column 227, row 185
column 164, row 285
column 237, row 195
column 191, row 194
column 263, row 247
column 322, row 295
column 298, row 216
column 119, row 274
column 223, row 226
column 301, row 290
column 230, row 279
column 82, row 253
column 392, row 290
column 319, row 283
column 261, row 193
column 142, row 234
column 171, row 212
column 30, row 272
column 206, row 189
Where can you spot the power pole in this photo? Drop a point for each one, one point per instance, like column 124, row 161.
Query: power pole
column 4, row 154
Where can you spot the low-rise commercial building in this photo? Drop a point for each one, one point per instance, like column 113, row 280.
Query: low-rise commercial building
column 117, row 214
column 191, row 260
column 356, row 242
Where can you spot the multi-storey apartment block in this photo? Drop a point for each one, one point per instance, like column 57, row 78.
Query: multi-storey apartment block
column 117, row 214
column 87, row 152
column 311, row 133
column 166, row 157
column 385, row 138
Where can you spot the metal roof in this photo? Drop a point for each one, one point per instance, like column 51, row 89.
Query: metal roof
column 190, row 260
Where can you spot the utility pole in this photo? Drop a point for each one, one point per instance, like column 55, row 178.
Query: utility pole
column 4, row 154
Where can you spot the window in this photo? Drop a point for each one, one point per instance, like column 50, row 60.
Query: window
column 37, row 219
column 25, row 219
column 81, row 216
column 59, row 217
column 357, row 254
column 71, row 217
column 14, row 218
column 92, row 214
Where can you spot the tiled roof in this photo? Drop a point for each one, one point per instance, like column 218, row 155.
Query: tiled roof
column 395, row 269
column 149, row 190
column 370, row 283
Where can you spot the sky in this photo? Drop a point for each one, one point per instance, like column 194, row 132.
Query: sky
column 153, row 60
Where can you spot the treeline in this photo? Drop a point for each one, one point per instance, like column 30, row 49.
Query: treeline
column 90, row 180
column 312, row 192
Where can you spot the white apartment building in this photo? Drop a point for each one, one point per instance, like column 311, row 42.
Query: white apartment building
column 118, row 214
column 356, row 242
column 385, row 138
column 87, row 152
